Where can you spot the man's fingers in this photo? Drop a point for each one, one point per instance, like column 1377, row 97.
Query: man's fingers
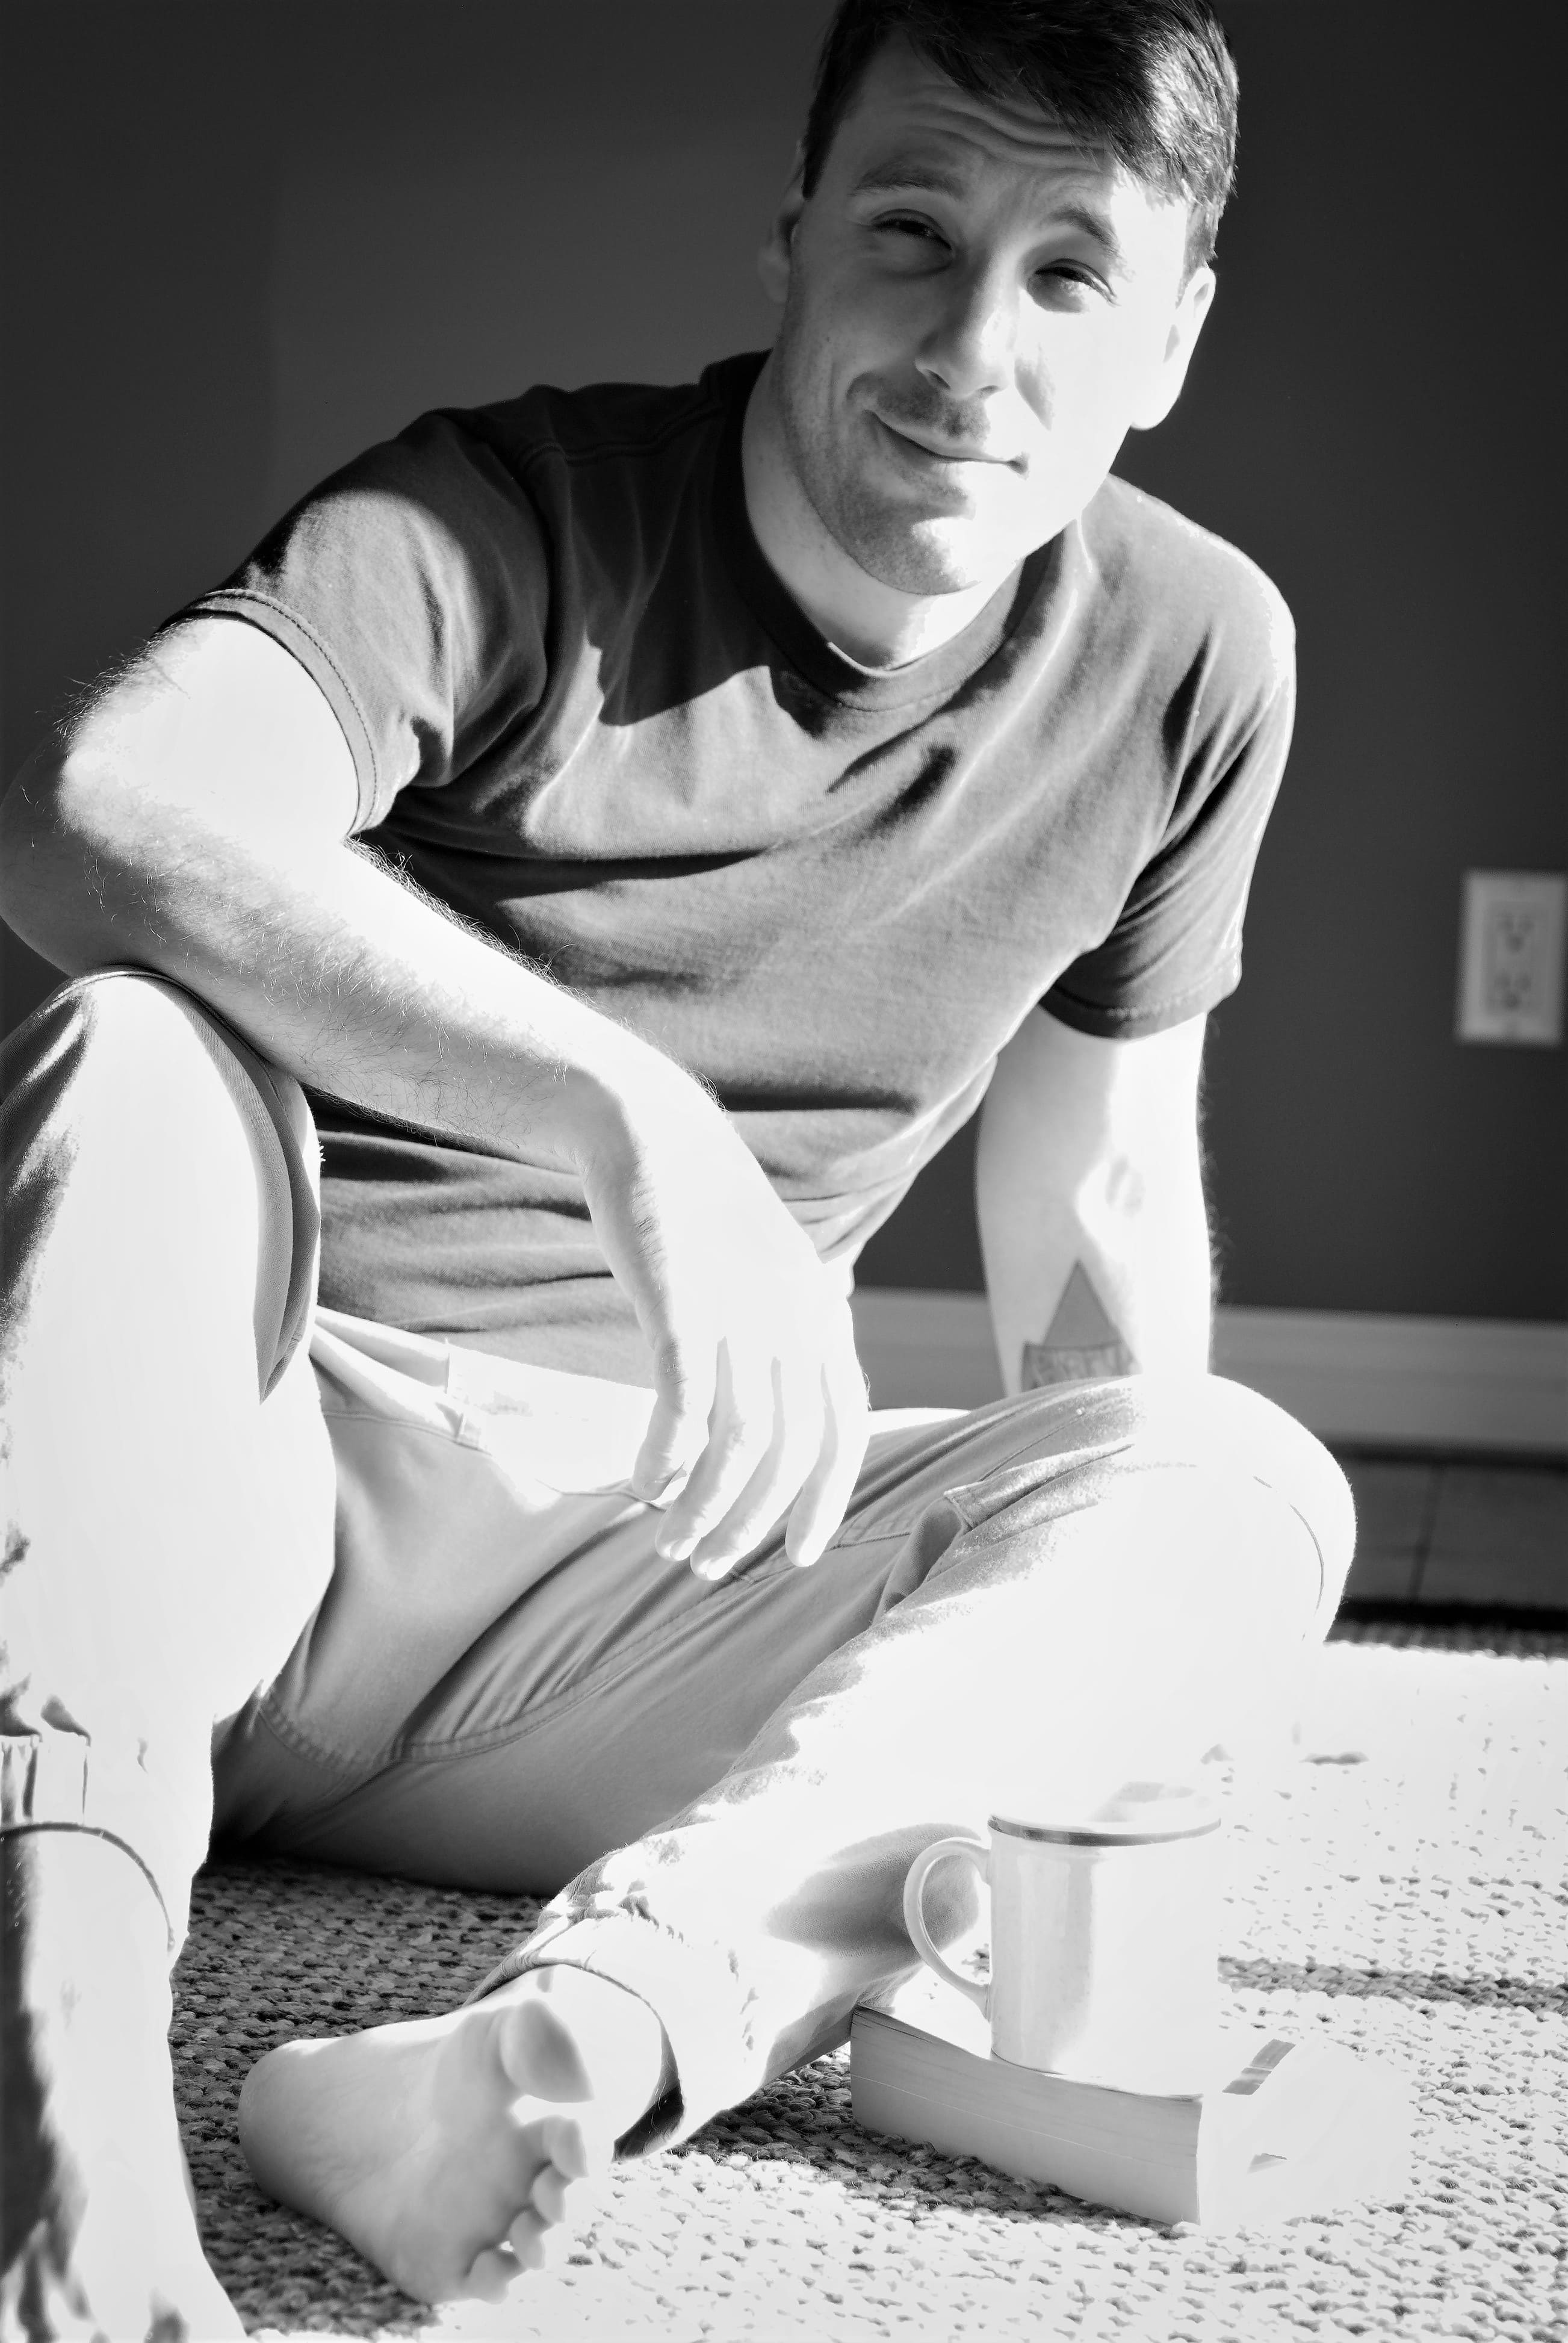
column 822, row 1504
column 762, row 1502
column 677, row 1431
column 819, row 1511
column 674, row 1311
column 741, row 1430
column 744, row 1335
column 754, row 1410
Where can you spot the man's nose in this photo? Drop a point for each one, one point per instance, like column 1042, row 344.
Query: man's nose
column 970, row 346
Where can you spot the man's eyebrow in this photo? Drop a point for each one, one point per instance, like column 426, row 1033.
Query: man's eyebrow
column 901, row 176
column 1096, row 226
column 905, row 175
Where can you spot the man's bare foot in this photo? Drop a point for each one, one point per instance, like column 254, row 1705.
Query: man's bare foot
column 99, row 2232
column 446, row 2149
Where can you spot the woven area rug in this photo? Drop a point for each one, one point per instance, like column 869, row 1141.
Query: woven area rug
column 1401, row 1888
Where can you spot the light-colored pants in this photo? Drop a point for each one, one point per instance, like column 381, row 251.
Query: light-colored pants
column 389, row 1598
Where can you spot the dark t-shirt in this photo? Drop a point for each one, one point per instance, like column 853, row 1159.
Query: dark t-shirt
column 585, row 713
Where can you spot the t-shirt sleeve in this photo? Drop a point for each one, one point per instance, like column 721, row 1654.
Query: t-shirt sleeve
column 1175, row 949
column 413, row 586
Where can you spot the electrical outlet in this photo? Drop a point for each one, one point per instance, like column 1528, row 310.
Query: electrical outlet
column 1511, row 957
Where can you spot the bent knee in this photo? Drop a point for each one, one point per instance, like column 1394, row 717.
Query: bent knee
column 124, row 1026
column 1215, row 1434
column 130, row 1098
column 1249, row 1442
column 142, row 1047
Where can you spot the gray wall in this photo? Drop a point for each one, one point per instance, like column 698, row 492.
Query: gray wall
column 244, row 240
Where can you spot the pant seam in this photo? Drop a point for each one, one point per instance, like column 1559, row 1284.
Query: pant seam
column 556, row 1703
column 428, row 1752
column 609, row 1674
column 398, row 1752
column 356, row 1772
column 953, row 1496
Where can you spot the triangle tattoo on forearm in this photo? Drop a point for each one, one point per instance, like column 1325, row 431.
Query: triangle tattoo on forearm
column 1081, row 1344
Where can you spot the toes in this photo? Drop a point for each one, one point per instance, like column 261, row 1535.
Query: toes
column 539, row 2053
column 527, row 2238
column 567, row 2142
column 562, row 2161
column 490, row 2275
column 548, row 2197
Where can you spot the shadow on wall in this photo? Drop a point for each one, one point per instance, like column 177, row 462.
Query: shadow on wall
column 285, row 230
column 417, row 209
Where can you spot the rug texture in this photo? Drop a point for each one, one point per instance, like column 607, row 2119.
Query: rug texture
column 1401, row 1888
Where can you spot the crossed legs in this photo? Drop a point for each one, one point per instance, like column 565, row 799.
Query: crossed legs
column 1027, row 1607
column 1023, row 1606
column 1028, row 1604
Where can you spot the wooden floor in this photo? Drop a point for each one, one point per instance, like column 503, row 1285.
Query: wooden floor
column 1436, row 1531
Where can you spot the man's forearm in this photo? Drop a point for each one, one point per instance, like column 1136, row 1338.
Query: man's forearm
column 1088, row 1301
column 1089, row 1192
column 334, row 970
column 195, row 823
column 1116, row 1308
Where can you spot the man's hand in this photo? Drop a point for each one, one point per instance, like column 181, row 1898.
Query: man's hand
column 762, row 1405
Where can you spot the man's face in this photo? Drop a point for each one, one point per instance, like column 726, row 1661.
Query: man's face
column 977, row 310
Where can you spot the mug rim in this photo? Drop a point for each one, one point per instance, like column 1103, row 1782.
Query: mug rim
column 1101, row 1834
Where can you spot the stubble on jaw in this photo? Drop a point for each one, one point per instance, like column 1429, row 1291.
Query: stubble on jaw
column 911, row 552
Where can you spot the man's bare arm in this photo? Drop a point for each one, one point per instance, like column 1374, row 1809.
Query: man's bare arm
column 196, row 823
column 1090, row 1193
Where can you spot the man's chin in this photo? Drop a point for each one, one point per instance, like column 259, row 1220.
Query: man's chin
column 932, row 558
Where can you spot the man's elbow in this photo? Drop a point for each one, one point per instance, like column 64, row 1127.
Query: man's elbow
column 29, row 832
column 60, row 822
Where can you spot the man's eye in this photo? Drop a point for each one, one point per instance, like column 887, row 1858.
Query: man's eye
column 1067, row 284
column 907, row 224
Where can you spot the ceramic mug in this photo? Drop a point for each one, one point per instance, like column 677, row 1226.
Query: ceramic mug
column 1104, row 1954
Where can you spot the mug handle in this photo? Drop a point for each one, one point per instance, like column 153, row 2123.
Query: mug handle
column 914, row 1912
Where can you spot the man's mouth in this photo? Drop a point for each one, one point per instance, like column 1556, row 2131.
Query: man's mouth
column 944, row 451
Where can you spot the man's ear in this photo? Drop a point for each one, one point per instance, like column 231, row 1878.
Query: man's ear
column 774, row 260
column 1195, row 301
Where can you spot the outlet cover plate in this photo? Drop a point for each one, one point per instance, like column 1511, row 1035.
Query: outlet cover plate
column 1511, row 957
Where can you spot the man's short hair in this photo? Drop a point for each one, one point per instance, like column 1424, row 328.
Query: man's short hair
column 1152, row 80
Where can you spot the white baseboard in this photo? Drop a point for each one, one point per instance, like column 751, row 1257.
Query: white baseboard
column 1417, row 1383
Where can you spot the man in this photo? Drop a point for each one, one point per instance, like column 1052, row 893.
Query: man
column 743, row 766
